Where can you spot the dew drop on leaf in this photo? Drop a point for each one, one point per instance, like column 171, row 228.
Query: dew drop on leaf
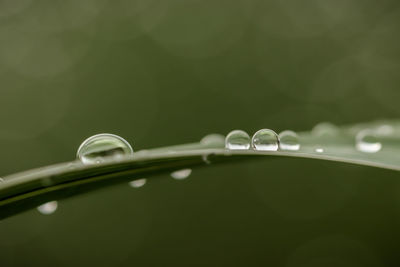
column 367, row 141
column 213, row 139
column 325, row 129
column 237, row 140
column 265, row 140
column 102, row 147
column 289, row 140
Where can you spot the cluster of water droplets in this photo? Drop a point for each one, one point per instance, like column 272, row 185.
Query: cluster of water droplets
column 101, row 148
column 262, row 140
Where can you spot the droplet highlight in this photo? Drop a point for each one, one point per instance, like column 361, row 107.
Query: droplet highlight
column 319, row 150
column 103, row 147
column 367, row 141
column 181, row 174
column 237, row 140
column 265, row 140
column 289, row 140
column 137, row 183
column 48, row 208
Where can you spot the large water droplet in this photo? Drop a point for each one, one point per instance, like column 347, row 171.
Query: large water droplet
column 237, row 140
column 289, row 140
column 48, row 208
column 367, row 141
column 213, row 139
column 265, row 140
column 102, row 147
column 325, row 128
column 137, row 183
column 181, row 174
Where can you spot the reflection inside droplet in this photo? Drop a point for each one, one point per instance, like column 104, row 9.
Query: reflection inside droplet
column 319, row 150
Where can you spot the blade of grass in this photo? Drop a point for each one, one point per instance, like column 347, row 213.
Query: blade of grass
column 26, row 190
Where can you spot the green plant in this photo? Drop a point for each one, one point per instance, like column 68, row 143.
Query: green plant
column 29, row 189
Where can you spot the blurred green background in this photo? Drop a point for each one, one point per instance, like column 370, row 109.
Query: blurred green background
column 161, row 73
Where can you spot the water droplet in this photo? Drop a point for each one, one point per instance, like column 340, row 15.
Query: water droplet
column 102, row 147
column 289, row 140
column 324, row 128
column 265, row 140
column 48, row 208
column 213, row 139
column 319, row 150
column 137, row 183
column 181, row 174
column 367, row 141
column 237, row 140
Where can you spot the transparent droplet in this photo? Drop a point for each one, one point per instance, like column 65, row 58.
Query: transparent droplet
column 137, row 183
column 48, row 208
column 367, row 141
column 213, row 139
column 181, row 174
column 319, row 150
column 324, row 129
column 237, row 140
column 102, row 147
column 265, row 140
column 289, row 140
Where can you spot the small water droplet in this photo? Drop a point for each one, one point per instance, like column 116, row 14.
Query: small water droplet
column 324, row 128
column 367, row 141
column 213, row 139
column 289, row 140
column 102, row 147
column 237, row 140
column 319, row 150
column 137, row 183
column 265, row 140
column 181, row 174
column 48, row 208
column 205, row 159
